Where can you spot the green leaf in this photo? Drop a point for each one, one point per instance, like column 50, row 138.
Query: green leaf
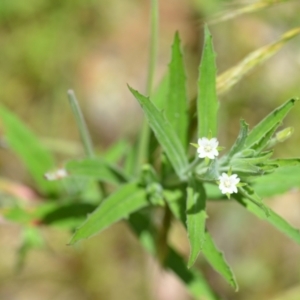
column 154, row 189
column 116, row 151
column 28, row 148
column 213, row 192
column 260, row 159
column 212, row 172
column 126, row 200
column 165, row 134
column 209, row 250
column 251, row 195
column 18, row 214
column 68, row 215
column 246, row 153
column 96, row 169
column 148, row 175
column 217, row 261
column 176, row 201
column 263, row 142
column 130, row 164
column 269, row 122
column 193, row 279
column 280, row 181
column 31, row 239
column 207, row 104
column 274, row 219
column 196, row 217
column 177, row 102
column 160, row 95
column 241, row 166
column 240, row 141
column 284, row 162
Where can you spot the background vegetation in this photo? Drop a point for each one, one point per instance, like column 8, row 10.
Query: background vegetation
column 96, row 47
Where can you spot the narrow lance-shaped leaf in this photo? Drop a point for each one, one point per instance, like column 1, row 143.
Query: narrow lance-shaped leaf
column 209, row 250
column 274, row 219
column 165, row 134
column 64, row 216
column 117, row 151
column 177, row 103
column 261, row 158
column 269, row 122
column 160, row 95
column 284, row 162
column 126, row 200
column 242, row 167
column 96, row 169
column 207, row 105
column 263, row 142
column 251, row 195
column 240, row 141
column 280, row 181
column 216, row 259
column 32, row 153
column 193, row 279
column 196, row 217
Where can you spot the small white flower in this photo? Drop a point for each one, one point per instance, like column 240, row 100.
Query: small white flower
column 56, row 175
column 228, row 183
column 208, row 148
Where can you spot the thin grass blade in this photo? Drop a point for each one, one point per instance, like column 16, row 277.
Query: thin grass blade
column 251, row 8
column 229, row 78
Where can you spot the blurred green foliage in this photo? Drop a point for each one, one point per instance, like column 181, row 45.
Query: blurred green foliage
column 42, row 47
column 43, row 43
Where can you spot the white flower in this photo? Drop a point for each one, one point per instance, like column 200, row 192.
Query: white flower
column 228, row 183
column 208, row 148
column 56, row 175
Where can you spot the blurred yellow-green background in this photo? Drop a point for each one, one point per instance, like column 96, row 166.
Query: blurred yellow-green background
column 96, row 47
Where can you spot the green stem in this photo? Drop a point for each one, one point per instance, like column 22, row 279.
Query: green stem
column 84, row 134
column 162, row 241
column 143, row 145
column 153, row 45
column 197, row 161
